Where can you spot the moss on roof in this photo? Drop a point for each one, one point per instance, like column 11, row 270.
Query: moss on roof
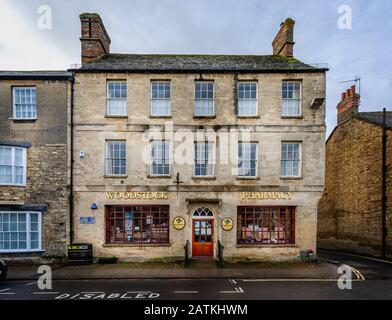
column 195, row 62
column 87, row 15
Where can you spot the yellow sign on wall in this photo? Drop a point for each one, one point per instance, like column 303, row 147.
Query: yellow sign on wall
column 227, row 224
column 137, row 195
column 267, row 195
column 178, row 223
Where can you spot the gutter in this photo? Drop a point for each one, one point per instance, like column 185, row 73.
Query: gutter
column 384, row 186
column 103, row 70
column 71, row 195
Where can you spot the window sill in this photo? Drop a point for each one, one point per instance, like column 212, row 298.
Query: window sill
column 114, row 245
column 293, row 117
column 116, row 116
column 291, row 178
column 22, row 251
column 12, row 185
column 164, row 176
column 23, row 120
column 265, row 245
column 247, row 178
column 203, row 117
column 161, row 116
column 248, row 117
column 115, row 176
column 203, row 177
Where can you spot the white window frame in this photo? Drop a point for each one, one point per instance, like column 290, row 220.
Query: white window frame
column 299, row 163
column 125, row 100
column 285, row 99
column 151, row 159
column 248, row 99
column 28, row 231
column 14, row 116
column 204, row 99
column 168, row 100
column 210, row 158
column 256, row 160
column 107, row 142
column 13, row 158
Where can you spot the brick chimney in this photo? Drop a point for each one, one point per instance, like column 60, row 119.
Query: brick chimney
column 283, row 44
column 348, row 105
column 94, row 38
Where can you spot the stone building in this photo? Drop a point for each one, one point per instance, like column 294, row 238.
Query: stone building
column 351, row 208
column 33, row 165
column 251, row 127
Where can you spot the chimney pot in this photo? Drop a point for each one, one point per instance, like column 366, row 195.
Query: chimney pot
column 348, row 106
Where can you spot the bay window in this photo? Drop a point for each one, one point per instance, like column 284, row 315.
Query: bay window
column 20, row 231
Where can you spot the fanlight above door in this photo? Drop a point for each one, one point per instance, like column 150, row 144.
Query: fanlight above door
column 203, row 212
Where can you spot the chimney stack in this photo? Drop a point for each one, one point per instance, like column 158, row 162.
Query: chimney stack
column 283, row 44
column 94, row 38
column 348, row 105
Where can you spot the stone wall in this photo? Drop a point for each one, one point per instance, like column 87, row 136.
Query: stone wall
column 47, row 163
column 350, row 208
column 269, row 129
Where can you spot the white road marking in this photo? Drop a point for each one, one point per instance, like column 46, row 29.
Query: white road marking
column 359, row 275
column 45, row 292
column 2, row 292
column 364, row 257
column 232, row 281
column 94, row 292
column 237, row 290
column 31, row 283
column 186, row 291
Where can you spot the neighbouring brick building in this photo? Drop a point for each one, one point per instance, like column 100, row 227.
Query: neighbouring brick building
column 351, row 208
column 135, row 200
column 34, row 165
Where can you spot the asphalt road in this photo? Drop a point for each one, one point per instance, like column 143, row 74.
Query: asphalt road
column 377, row 284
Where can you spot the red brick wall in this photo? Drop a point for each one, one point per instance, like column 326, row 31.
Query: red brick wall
column 350, row 210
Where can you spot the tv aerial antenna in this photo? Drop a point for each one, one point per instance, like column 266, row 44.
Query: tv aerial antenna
column 357, row 81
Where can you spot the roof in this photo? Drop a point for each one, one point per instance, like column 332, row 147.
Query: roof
column 114, row 62
column 376, row 118
column 36, row 75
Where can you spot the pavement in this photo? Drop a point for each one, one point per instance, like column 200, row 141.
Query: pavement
column 196, row 270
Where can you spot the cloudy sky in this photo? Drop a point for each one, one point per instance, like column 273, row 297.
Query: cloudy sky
column 214, row 26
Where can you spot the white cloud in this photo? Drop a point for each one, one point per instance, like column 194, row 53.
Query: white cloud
column 24, row 46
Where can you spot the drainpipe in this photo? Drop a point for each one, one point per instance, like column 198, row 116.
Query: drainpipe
column 71, row 196
column 384, row 186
